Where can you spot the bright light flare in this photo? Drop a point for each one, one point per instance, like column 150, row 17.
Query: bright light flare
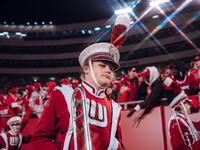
column 123, row 11
column 155, row 3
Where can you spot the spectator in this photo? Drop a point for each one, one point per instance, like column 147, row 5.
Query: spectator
column 28, row 92
column 186, row 80
column 111, row 93
column 11, row 97
column 63, row 82
column 129, row 87
column 196, row 69
column 4, row 110
column 37, row 98
column 152, row 78
column 24, row 107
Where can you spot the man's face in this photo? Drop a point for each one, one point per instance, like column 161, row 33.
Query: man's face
column 103, row 72
column 188, row 108
column 109, row 91
column 132, row 74
column 18, row 95
column 167, row 73
column 174, row 72
column 197, row 63
column 16, row 127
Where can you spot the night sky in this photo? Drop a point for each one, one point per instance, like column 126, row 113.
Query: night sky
column 57, row 11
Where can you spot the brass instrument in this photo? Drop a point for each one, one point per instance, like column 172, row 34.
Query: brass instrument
column 77, row 103
column 186, row 135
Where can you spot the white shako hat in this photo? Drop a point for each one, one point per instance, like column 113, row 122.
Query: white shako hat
column 100, row 51
column 181, row 97
column 13, row 120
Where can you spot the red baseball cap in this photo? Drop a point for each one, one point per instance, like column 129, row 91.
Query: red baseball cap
column 65, row 81
column 146, row 72
column 133, row 69
column 13, row 90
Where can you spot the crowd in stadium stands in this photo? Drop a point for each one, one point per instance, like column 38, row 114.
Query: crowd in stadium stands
column 130, row 87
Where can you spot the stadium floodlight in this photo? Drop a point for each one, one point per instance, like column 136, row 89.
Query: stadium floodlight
column 97, row 29
column 108, row 26
column 155, row 3
column 123, row 11
column 18, row 33
column 155, row 16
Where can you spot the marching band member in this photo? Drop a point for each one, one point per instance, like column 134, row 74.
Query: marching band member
column 13, row 139
column 182, row 131
column 55, row 128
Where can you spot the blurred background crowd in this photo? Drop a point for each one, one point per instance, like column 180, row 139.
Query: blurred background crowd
column 20, row 97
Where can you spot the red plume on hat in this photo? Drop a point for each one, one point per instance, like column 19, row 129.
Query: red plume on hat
column 119, row 31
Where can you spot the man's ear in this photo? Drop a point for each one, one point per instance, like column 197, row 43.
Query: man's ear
column 86, row 69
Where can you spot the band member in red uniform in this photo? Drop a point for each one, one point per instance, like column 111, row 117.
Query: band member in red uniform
column 55, row 128
column 182, row 131
column 28, row 91
column 13, row 139
column 186, row 80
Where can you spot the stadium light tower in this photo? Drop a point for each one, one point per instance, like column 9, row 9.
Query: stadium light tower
column 123, row 11
column 155, row 3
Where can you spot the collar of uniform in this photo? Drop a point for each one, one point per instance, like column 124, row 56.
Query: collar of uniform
column 91, row 89
column 12, row 132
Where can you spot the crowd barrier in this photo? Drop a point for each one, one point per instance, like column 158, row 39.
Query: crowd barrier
column 150, row 132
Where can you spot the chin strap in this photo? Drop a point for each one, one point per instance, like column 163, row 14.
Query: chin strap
column 13, row 131
column 93, row 76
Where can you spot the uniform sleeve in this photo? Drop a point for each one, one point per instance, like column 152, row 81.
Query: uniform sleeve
column 197, row 125
column 153, row 96
column 2, row 143
column 176, row 138
column 26, row 139
column 119, row 134
column 49, row 122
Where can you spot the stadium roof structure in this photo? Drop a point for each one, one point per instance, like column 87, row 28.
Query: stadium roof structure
column 62, row 11
column 57, row 11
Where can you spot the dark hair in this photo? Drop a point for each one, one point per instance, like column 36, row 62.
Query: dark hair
column 179, row 65
column 20, row 92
